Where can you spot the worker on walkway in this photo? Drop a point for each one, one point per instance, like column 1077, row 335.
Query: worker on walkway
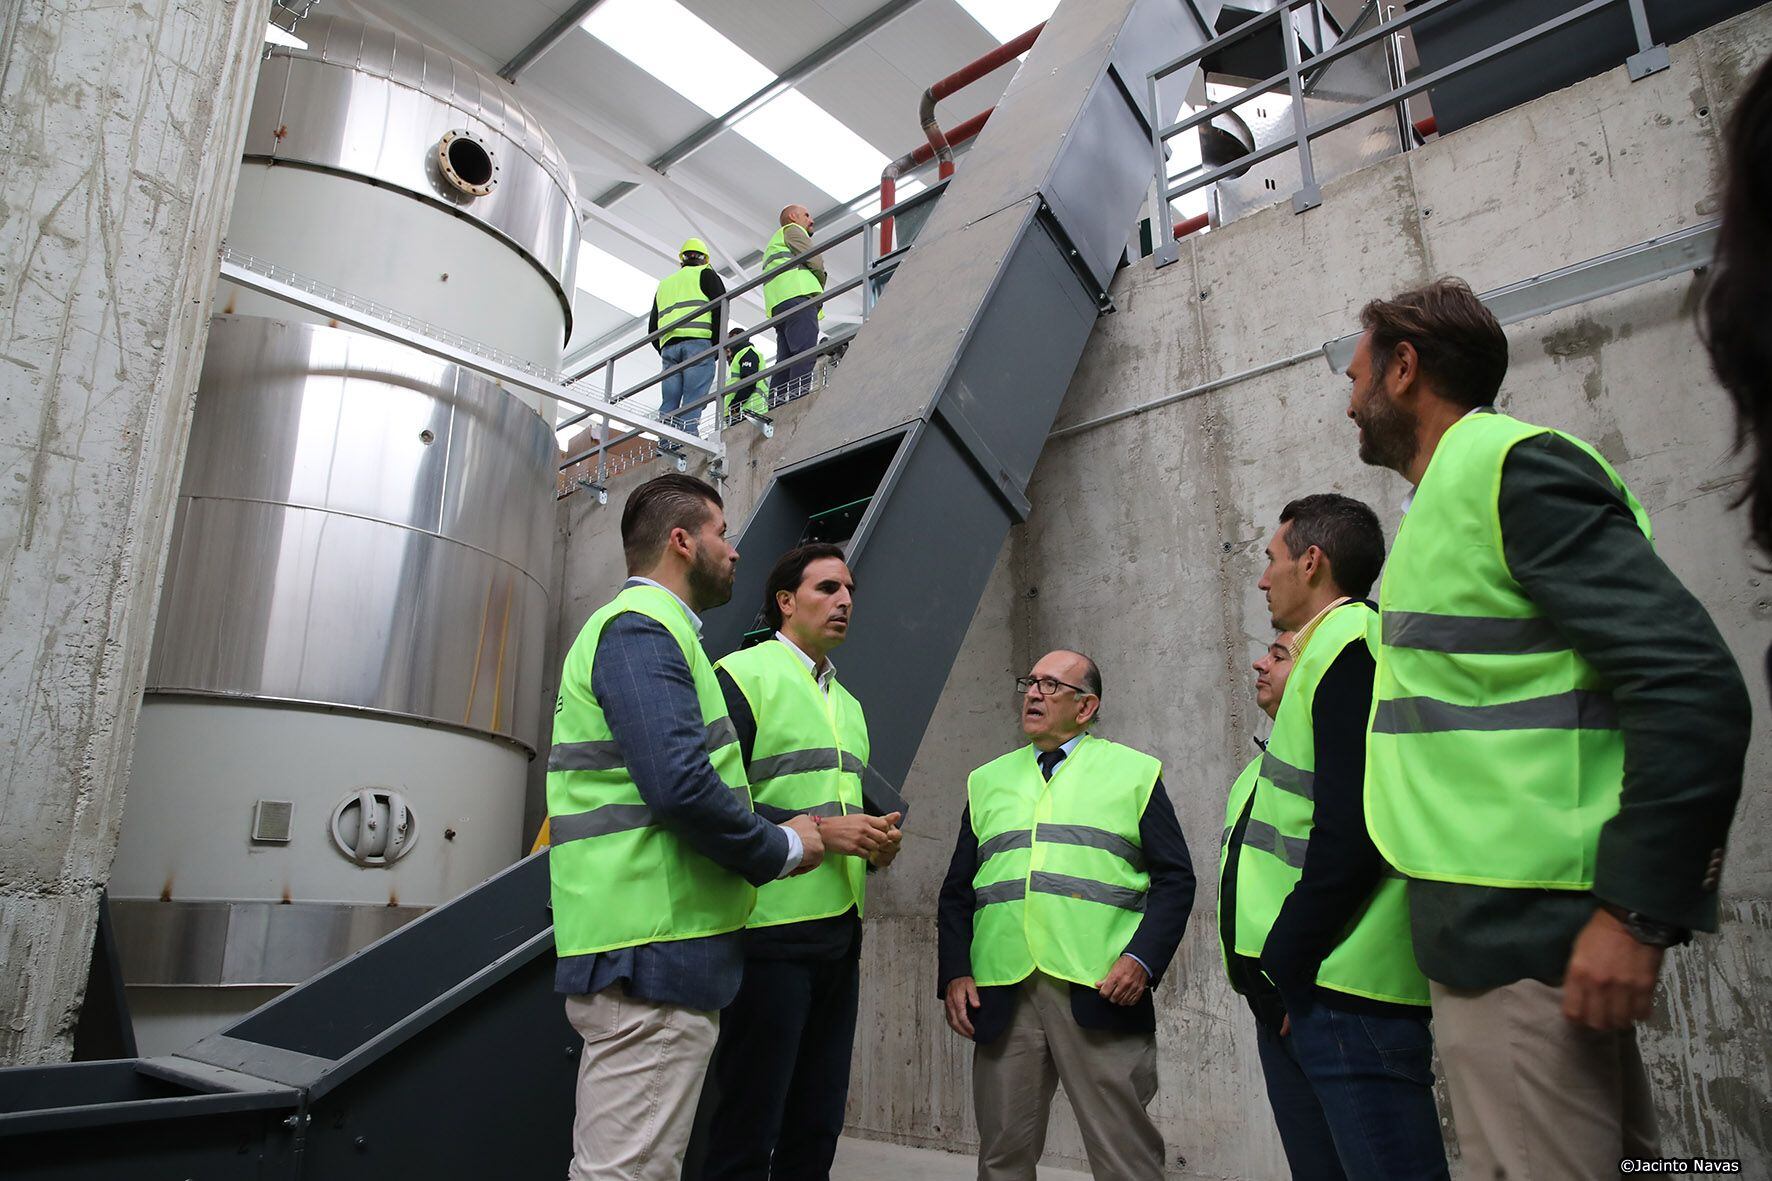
column 791, row 287
column 1316, row 935
column 1555, row 749
column 655, row 846
column 1049, row 970
column 746, row 393
column 688, row 333
column 1272, row 670
column 782, row 1065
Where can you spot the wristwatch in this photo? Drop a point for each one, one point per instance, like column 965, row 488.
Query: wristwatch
column 1647, row 931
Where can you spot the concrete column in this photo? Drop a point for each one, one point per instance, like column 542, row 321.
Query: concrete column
column 122, row 127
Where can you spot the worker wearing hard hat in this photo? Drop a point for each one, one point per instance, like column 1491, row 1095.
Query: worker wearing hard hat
column 789, row 287
column 690, row 331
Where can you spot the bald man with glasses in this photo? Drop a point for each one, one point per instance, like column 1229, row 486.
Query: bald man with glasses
column 1067, row 895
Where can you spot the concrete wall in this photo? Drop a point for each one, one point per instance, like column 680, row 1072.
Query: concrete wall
column 1145, row 545
column 122, row 126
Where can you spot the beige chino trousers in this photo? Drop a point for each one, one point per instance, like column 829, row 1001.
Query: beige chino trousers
column 1110, row 1079
column 638, row 1083
column 1536, row 1097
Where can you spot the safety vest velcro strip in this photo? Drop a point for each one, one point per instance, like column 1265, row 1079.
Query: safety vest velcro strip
column 1003, row 842
column 1286, row 777
column 605, row 755
column 797, row 762
column 1094, row 838
column 1471, row 635
column 1013, row 890
column 1258, row 834
column 1066, row 886
column 1578, row 709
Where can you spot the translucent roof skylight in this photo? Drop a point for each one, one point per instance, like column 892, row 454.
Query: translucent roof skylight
column 679, row 49
column 613, row 281
column 1004, row 19
column 812, row 142
column 694, row 59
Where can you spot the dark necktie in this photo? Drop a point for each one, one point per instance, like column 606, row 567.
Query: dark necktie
column 1049, row 759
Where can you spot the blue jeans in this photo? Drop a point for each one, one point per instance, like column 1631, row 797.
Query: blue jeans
column 1353, row 1096
column 690, row 385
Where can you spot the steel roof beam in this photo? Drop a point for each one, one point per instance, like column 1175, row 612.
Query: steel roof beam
column 791, row 77
column 549, row 38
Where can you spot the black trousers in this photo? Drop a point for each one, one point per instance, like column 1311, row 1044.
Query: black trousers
column 781, row 1069
column 794, row 336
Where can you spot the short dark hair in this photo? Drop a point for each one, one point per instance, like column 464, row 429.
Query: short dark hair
column 1461, row 347
column 1734, row 318
column 790, row 572
column 661, row 504
column 1347, row 532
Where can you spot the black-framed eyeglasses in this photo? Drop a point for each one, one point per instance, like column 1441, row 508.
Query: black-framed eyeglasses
column 1048, row 686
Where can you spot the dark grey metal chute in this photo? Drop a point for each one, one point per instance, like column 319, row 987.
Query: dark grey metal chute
column 441, row 1051
column 942, row 405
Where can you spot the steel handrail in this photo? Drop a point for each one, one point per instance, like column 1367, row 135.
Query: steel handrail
column 1303, row 130
column 1309, row 131
column 873, row 268
column 749, row 285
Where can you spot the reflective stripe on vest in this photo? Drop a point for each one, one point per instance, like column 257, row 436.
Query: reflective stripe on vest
column 1376, row 957
column 808, row 758
column 619, row 879
column 1493, row 756
column 677, row 294
column 756, row 398
column 1061, row 882
column 792, row 281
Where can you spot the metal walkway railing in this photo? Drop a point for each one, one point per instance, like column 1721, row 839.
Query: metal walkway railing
column 1295, row 79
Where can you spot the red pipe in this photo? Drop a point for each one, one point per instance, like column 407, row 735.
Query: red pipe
column 921, row 154
column 963, row 77
column 1184, row 228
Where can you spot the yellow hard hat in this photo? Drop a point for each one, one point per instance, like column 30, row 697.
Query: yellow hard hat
column 695, row 246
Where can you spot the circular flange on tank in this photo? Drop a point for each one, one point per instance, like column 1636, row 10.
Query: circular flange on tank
column 467, row 163
column 384, row 108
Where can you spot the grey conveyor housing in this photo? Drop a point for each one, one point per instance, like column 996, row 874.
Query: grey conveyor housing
column 440, row 1051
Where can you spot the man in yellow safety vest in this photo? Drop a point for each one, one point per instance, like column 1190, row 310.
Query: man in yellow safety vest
column 1068, row 892
column 1314, row 922
column 655, row 850
column 796, row 277
column 781, row 1069
column 689, row 333
column 1555, row 748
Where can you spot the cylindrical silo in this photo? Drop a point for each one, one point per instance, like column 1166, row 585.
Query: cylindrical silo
column 345, row 688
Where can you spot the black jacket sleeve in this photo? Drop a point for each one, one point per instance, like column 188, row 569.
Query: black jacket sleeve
column 652, row 326
column 1171, row 896
column 1573, row 545
column 953, row 911
column 1341, row 864
column 738, row 708
column 713, row 287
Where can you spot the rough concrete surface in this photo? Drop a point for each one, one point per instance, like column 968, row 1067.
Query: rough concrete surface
column 122, row 126
column 1145, row 545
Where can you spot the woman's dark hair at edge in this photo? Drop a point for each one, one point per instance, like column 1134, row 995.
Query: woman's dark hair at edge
column 1736, row 322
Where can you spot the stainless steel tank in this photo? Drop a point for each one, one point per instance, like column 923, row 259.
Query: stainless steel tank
column 345, row 688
